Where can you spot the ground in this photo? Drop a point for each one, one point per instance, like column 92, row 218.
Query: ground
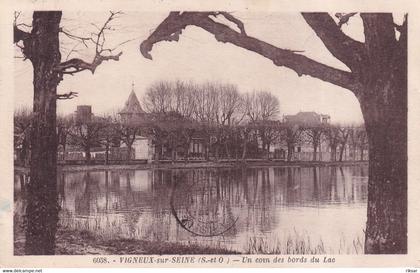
column 72, row 242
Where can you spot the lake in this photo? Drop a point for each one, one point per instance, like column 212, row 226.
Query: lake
column 251, row 210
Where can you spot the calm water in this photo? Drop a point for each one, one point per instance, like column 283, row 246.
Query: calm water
column 216, row 207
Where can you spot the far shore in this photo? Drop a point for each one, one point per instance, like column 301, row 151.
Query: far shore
column 250, row 163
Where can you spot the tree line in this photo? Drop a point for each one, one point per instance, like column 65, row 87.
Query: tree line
column 228, row 123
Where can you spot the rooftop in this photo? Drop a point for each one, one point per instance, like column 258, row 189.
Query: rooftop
column 132, row 105
column 306, row 118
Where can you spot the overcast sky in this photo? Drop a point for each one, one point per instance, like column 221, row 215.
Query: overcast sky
column 198, row 57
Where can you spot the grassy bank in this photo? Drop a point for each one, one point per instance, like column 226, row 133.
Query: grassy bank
column 210, row 164
column 73, row 242
column 300, row 244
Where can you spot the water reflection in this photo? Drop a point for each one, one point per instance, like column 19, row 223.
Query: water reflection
column 234, row 204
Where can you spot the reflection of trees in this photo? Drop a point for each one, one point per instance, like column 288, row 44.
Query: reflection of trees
column 316, row 190
column 88, row 202
column 333, row 182
column 290, row 186
column 206, row 201
column 199, row 213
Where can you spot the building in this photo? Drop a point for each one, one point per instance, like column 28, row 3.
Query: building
column 303, row 149
column 307, row 118
column 83, row 113
column 132, row 110
column 133, row 114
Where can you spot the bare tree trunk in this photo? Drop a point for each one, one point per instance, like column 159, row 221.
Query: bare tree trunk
column 386, row 125
column 290, row 149
column 245, row 148
column 216, row 154
column 129, row 149
column 227, row 150
column 87, row 155
column 315, row 147
column 42, row 207
column 342, row 148
column 106, row 154
column 333, row 153
column 354, row 152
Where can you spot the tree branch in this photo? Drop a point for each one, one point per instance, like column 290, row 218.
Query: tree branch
column 20, row 35
column 232, row 19
column 341, row 46
column 83, row 40
column 67, row 96
column 76, row 65
column 172, row 26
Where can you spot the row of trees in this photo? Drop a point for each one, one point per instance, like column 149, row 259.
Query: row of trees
column 104, row 132
column 233, row 124
column 229, row 125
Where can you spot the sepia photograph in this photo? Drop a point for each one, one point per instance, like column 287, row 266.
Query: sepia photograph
column 194, row 132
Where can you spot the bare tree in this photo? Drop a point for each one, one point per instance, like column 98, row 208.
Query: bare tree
column 22, row 120
column 260, row 108
column 127, row 132
column 63, row 129
column 86, row 135
column 313, row 135
column 183, row 101
column 332, row 133
column 377, row 77
column 158, row 97
column 292, row 135
column 362, row 141
column 344, row 137
column 109, row 135
column 41, row 45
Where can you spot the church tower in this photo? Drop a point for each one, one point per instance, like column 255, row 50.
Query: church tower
column 132, row 111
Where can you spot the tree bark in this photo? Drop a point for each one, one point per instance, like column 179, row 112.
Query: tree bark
column 42, row 207
column 386, row 126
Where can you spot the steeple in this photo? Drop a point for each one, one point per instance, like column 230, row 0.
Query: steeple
column 132, row 105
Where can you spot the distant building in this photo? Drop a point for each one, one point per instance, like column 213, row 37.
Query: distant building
column 132, row 110
column 307, row 118
column 303, row 150
column 84, row 113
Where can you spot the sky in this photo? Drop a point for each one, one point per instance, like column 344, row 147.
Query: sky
column 197, row 57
